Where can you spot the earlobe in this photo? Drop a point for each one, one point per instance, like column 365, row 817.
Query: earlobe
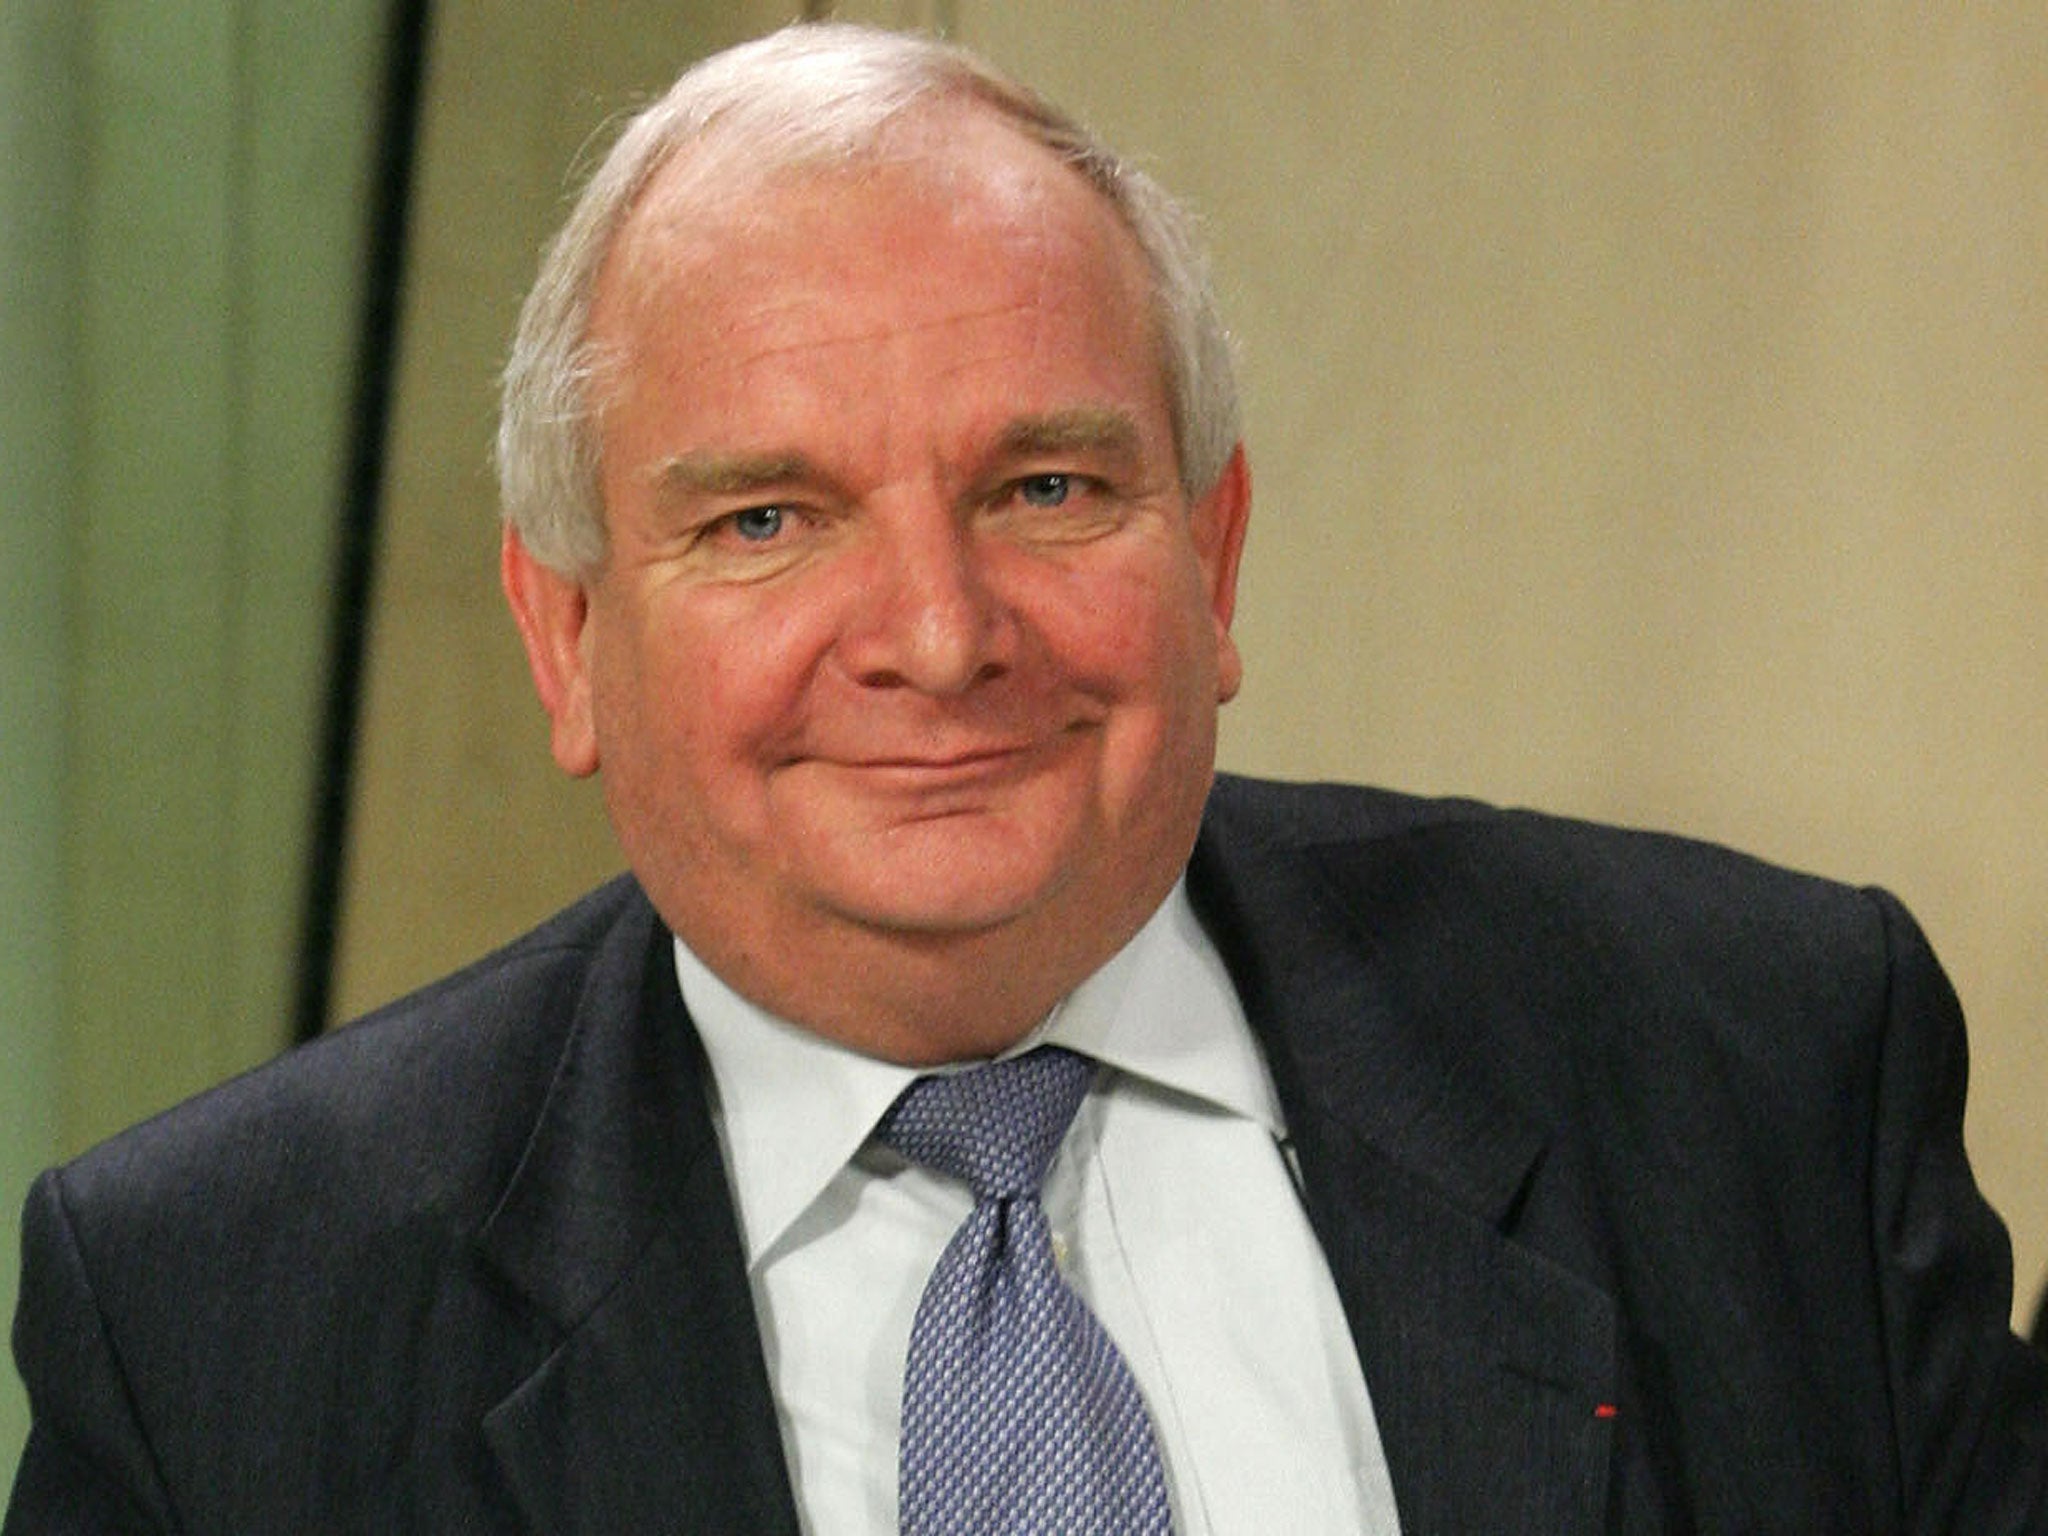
column 1219, row 520
column 553, row 613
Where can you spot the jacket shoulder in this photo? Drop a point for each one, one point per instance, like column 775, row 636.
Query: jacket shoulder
column 1491, row 854
column 373, row 1097
column 1562, row 959
column 1278, row 812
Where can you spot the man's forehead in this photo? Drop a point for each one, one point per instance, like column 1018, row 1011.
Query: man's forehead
column 946, row 231
column 718, row 197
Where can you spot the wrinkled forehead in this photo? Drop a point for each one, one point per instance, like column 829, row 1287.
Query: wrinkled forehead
column 715, row 207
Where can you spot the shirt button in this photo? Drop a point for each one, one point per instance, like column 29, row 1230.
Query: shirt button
column 1059, row 1250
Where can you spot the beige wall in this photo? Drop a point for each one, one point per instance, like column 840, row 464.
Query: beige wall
column 1648, row 409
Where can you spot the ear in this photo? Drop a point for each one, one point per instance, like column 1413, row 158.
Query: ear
column 1217, row 522
column 553, row 614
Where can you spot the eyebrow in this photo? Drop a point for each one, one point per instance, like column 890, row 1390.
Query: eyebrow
column 1083, row 429
column 723, row 474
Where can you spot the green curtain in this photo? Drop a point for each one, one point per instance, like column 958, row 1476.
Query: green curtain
column 183, row 195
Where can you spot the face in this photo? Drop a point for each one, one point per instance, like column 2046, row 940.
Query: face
column 902, row 666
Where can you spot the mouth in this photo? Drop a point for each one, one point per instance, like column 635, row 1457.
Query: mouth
column 964, row 760
column 951, row 770
column 944, row 769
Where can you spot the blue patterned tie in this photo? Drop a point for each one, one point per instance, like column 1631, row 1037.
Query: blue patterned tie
column 1019, row 1415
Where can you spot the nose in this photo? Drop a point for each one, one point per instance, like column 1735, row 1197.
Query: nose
column 927, row 617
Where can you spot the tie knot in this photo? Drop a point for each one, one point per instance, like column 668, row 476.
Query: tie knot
column 997, row 1126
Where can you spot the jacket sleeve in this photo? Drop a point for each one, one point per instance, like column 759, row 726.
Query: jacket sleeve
column 1969, row 1401
column 88, row 1465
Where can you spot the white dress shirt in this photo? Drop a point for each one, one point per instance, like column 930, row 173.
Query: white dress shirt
column 1173, row 1214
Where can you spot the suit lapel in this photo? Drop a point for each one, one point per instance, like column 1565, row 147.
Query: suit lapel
column 1489, row 1364
column 653, row 1411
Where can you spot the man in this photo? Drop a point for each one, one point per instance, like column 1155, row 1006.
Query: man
column 874, row 506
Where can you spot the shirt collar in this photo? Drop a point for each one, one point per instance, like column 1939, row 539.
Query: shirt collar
column 794, row 1108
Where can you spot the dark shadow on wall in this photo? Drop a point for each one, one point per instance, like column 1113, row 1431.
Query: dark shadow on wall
column 356, row 555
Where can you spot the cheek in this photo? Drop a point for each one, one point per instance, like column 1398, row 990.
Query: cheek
column 728, row 672
column 1146, row 624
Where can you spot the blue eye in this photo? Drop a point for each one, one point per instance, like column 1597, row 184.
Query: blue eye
column 757, row 525
column 1045, row 490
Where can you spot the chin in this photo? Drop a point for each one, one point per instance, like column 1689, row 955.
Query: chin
column 949, row 873
column 939, row 908
column 933, row 903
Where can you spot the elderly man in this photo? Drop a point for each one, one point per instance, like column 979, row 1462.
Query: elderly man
column 970, row 1116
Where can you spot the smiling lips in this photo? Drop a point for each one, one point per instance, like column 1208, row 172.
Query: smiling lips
column 951, row 768
column 965, row 760
column 941, row 769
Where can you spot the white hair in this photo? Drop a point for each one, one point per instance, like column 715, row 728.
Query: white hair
column 814, row 94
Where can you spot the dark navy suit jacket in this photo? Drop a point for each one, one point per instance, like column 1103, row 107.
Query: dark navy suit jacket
column 1637, row 1163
